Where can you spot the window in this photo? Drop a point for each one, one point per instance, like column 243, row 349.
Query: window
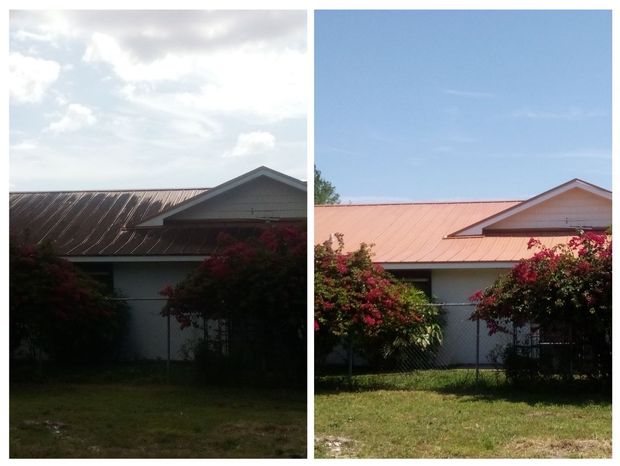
column 421, row 279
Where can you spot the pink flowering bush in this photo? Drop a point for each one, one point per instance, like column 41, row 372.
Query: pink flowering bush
column 57, row 310
column 358, row 303
column 258, row 286
column 567, row 286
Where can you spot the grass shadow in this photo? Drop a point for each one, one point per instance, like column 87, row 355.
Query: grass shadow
column 491, row 385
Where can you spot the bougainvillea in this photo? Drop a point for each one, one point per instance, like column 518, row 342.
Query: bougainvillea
column 567, row 285
column 358, row 303
column 59, row 311
column 258, row 282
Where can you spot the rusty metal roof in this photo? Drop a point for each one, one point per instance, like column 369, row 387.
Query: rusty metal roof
column 102, row 223
column 417, row 232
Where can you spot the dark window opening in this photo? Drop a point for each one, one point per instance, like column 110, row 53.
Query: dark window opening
column 421, row 279
column 103, row 273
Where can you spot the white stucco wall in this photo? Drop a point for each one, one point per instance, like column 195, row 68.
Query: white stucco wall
column 147, row 328
column 456, row 286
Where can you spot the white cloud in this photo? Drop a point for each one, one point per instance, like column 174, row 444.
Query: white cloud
column 569, row 114
column 41, row 26
column 266, row 85
column 581, row 154
column 151, row 34
column 160, row 84
column 60, row 99
column 256, row 142
column 23, row 146
column 193, row 128
column 105, row 48
column 30, row 77
column 23, row 35
column 472, row 94
column 76, row 117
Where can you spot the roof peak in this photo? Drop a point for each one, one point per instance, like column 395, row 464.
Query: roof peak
column 576, row 183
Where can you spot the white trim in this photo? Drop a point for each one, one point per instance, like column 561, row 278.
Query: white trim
column 134, row 258
column 476, row 228
column 224, row 187
column 446, row 265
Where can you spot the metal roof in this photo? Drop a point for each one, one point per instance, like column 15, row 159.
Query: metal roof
column 102, row 223
column 418, row 232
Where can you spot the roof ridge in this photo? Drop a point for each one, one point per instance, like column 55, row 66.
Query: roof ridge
column 415, row 203
column 109, row 190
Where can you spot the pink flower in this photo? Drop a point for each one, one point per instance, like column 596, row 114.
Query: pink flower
column 370, row 321
column 596, row 238
column 477, row 296
column 341, row 264
column 533, row 242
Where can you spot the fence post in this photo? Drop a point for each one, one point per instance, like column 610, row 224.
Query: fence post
column 350, row 362
column 477, row 350
column 205, row 329
column 570, row 351
column 168, row 347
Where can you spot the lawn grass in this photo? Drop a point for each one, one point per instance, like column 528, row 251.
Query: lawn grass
column 442, row 414
column 139, row 418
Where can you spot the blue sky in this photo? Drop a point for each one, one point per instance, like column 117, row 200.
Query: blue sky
column 154, row 99
column 450, row 105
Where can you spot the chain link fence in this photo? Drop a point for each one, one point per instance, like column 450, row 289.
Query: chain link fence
column 465, row 344
column 221, row 348
column 523, row 354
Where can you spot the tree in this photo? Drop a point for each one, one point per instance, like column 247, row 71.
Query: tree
column 57, row 310
column 324, row 191
column 566, row 288
column 360, row 304
column 258, row 286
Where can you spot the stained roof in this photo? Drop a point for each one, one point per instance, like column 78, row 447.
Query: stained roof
column 118, row 223
column 418, row 232
column 102, row 223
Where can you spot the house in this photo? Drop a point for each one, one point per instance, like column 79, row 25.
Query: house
column 453, row 249
column 139, row 241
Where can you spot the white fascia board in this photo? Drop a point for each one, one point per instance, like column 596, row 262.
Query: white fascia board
column 476, row 229
column 134, row 258
column 222, row 188
column 446, row 265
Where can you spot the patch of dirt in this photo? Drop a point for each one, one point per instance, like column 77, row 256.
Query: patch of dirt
column 559, row 448
column 258, row 429
column 285, row 438
column 338, row 447
column 55, row 427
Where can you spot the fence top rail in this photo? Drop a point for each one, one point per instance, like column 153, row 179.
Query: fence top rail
column 450, row 304
column 137, row 299
column 166, row 299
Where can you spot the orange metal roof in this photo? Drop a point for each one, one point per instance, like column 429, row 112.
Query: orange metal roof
column 417, row 232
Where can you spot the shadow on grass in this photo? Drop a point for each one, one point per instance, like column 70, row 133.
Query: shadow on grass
column 143, row 372
column 154, row 372
column 490, row 386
